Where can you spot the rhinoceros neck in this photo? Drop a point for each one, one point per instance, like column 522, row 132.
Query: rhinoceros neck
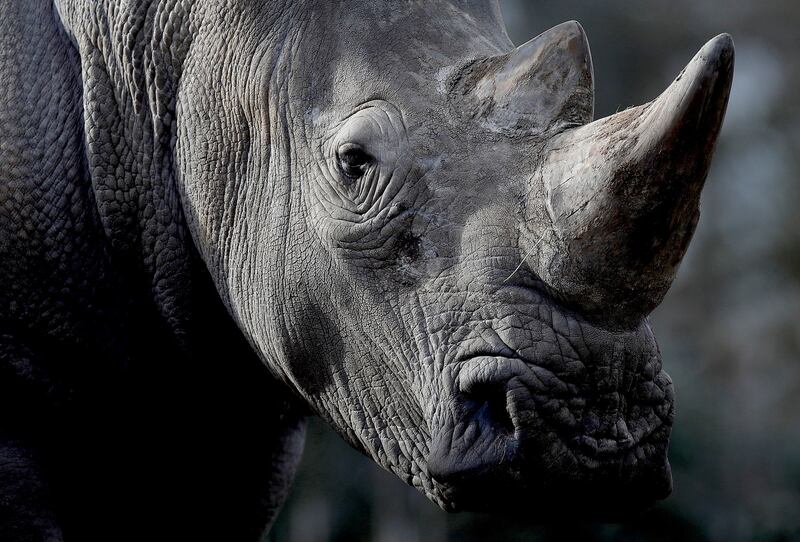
column 91, row 223
column 132, row 62
column 131, row 57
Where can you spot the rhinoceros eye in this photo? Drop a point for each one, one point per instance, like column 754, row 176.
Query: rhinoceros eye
column 353, row 160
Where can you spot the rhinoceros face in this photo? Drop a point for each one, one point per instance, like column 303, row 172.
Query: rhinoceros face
column 422, row 233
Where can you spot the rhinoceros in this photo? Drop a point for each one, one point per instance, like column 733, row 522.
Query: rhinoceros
column 219, row 217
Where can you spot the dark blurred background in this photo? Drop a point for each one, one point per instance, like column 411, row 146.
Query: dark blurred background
column 729, row 329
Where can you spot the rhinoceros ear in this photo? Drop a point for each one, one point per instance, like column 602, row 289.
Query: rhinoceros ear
column 547, row 82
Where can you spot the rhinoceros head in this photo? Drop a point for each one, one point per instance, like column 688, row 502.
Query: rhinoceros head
column 423, row 233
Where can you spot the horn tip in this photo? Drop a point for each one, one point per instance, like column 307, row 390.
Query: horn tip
column 716, row 55
column 719, row 49
column 709, row 74
column 571, row 28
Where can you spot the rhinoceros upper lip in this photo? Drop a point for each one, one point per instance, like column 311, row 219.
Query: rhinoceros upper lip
column 592, row 444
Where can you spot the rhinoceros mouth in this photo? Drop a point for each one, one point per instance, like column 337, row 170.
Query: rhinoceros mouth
column 516, row 426
column 520, row 395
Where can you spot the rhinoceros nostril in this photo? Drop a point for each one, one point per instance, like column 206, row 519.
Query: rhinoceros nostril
column 479, row 440
column 489, row 401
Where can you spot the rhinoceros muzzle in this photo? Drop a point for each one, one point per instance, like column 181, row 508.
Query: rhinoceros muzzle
column 594, row 423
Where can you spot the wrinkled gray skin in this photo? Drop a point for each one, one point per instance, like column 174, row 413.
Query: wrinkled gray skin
column 413, row 225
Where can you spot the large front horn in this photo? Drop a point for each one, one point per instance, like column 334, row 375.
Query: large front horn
column 624, row 192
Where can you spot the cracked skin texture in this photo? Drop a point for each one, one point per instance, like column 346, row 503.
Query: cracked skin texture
column 193, row 257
